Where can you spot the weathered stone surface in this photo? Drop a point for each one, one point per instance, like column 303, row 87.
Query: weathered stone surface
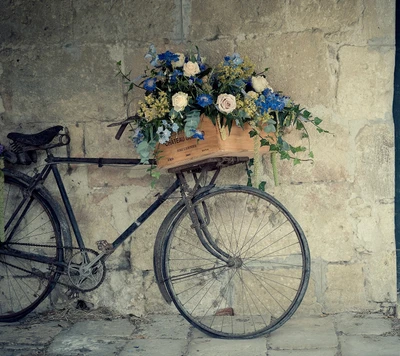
column 327, row 15
column 57, row 66
column 364, row 68
column 345, row 286
column 211, row 347
column 225, row 20
column 375, row 161
column 353, row 324
column 321, row 205
column 299, row 334
column 294, row 58
column 369, row 345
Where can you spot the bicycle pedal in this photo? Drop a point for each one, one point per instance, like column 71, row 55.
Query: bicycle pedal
column 104, row 246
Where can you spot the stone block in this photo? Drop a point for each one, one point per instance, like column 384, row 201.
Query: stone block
column 353, row 324
column 299, row 334
column 298, row 63
column 27, row 24
column 369, row 345
column 374, row 169
column 30, row 335
column 326, row 15
column 173, row 327
column 323, row 217
column 153, row 347
column 63, row 84
column 378, row 22
column 120, row 21
column 211, row 20
column 332, row 155
column 345, row 288
column 215, row 347
column 365, row 82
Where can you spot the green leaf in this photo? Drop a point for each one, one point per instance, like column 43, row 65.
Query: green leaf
column 261, row 186
column 317, row 121
column 191, row 122
column 118, row 63
column 264, row 142
column 253, row 133
column 296, row 161
column 269, row 128
column 311, row 154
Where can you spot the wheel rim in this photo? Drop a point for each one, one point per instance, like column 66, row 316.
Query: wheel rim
column 23, row 283
column 265, row 278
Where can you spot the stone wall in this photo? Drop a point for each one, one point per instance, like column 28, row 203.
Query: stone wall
column 58, row 65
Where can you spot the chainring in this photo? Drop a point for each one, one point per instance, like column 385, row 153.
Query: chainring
column 81, row 275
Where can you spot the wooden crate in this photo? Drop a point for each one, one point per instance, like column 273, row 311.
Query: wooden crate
column 182, row 150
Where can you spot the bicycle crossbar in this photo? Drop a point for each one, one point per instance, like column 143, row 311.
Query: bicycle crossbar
column 98, row 160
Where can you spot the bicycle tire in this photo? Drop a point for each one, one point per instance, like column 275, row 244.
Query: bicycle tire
column 24, row 284
column 266, row 278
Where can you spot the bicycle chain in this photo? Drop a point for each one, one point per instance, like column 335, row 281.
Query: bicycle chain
column 63, row 273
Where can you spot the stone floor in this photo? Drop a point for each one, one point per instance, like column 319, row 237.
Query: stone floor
column 331, row 335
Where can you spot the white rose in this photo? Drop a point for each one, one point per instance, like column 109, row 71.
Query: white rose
column 190, row 69
column 259, row 83
column 252, row 94
column 226, row 103
column 179, row 101
column 180, row 61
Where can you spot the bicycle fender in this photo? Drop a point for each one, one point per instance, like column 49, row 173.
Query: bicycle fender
column 60, row 215
column 158, row 258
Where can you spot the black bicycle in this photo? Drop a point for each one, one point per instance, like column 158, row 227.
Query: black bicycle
column 232, row 259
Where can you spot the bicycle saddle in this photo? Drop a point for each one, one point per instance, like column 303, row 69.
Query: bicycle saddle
column 39, row 139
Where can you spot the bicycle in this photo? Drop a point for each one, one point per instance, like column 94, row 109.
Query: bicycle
column 232, row 259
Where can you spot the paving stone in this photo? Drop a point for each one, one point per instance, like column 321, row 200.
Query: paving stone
column 316, row 352
column 218, row 347
column 370, row 345
column 164, row 327
column 154, row 347
column 39, row 334
column 300, row 334
column 109, row 329
column 85, row 345
column 351, row 324
column 23, row 351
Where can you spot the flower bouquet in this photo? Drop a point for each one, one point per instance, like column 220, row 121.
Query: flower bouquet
column 180, row 89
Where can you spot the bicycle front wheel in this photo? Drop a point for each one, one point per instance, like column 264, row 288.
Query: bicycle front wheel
column 265, row 274
column 30, row 227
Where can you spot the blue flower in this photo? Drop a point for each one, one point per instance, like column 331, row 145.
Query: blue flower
column 152, row 56
column 164, row 135
column 175, row 74
column 138, row 137
column 235, row 60
column 168, row 57
column 198, row 134
column 150, row 84
column 204, row 100
column 175, row 127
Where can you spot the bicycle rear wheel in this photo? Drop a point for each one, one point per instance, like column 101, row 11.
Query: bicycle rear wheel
column 30, row 226
column 266, row 275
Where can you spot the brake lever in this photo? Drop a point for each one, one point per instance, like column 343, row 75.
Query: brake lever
column 123, row 124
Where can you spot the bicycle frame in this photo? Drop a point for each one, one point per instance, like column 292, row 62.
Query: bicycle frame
column 199, row 223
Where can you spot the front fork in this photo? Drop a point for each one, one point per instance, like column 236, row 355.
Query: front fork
column 200, row 217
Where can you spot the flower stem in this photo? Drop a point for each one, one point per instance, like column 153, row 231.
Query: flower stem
column 274, row 168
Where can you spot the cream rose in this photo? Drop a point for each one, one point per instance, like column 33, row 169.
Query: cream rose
column 179, row 101
column 190, row 69
column 180, row 61
column 259, row 83
column 226, row 103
